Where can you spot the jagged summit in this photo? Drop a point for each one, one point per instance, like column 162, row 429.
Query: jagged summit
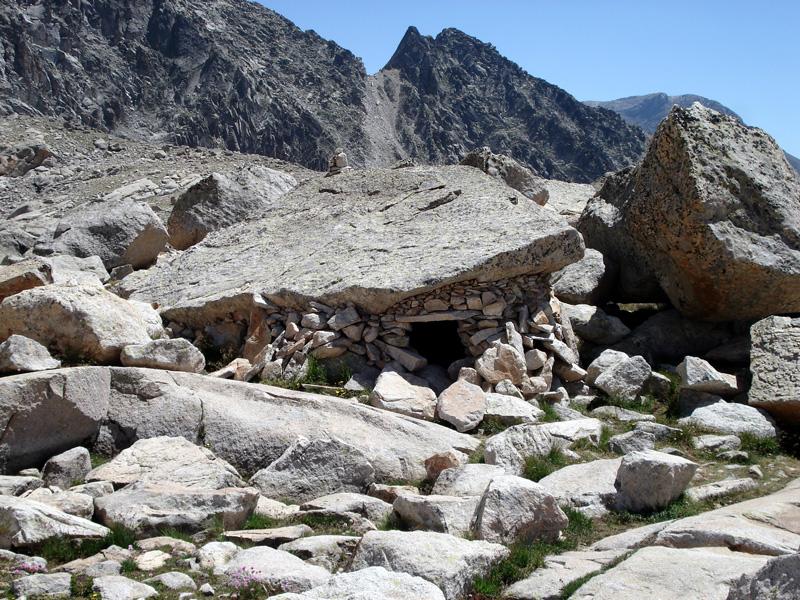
column 234, row 74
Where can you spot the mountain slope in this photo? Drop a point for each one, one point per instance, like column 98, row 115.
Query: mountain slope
column 456, row 93
column 234, row 74
column 648, row 111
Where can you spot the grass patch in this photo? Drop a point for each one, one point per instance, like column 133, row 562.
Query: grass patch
column 645, row 404
column 550, row 414
column 759, row 446
column 537, row 468
column 493, row 426
column 98, row 459
column 128, row 565
column 478, row 455
column 524, row 558
column 679, row 509
column 80, row 586
column 176, row 534
column 62, row 550
column 262, row 522
column 317, row 373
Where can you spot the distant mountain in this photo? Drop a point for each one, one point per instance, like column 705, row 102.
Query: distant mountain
column 234, row 74
column 647, row 111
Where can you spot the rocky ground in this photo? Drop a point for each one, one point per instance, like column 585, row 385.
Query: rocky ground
column 214, row 383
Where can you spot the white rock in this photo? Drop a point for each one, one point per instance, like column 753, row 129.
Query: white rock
column 716, row 443
column 148, row 508
column 773, row 362
column 624, row 379
column 514, row 509
column 372, row 508
column 500, row 362
column 309, row 469
column 467, row 480
column 448, row 562
column 214, row 556
column 605, row 361
column 117, row 587
column 277, row 570
column 174, row 580
column 29, row 523
column 592, row 324
column 587, row 487
column 445, row 514
column 732, row 418
column 559, row 570
column 778, row 579
column 152, row 560
column 41, row 585
column 509, row 410
column 16, row 485
column 720, row 489
column 19, row 354
column 173, row 355
column 697, row 374
column 79, row 505
column 83, row 320
column 632, row 441
column 650, row 480
column 392, row 392
column 463, row 405
column 621, row 414
column 326, row 551
column 510, row 448
column 68, row 468
column 165, row 459
column 372, row 583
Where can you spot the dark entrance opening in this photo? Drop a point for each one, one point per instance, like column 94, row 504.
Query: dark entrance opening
column 438, row 341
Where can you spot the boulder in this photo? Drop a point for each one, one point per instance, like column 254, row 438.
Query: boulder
column 52, row 411
column 623, row 415
column 592, row 324
column 374, row 509
column 560, row 570
column 448, row 562
column 117, row 587
column 16, row 485
column 272, row 537
column 312, row 468
column 463, row 405
column 513, row 509
column 219, row 201
column 174, row 580
column 173, row 355
column 172, row 460
column 711, row 213
column 24, row 275
column 716, row 443
column 511, row 172
column 326, row 551
column 587, row 487
column 648, row 481
column 765, row 525
column 120, row 233
column 720, row 489
column 631, row 441
column 214, row 556
column 392, row 392
column 445, row 514
column 655, row 572
column 276, row 570
column 27, row 523
column 19, row 354
column 731, row 418
column 510, row 448
column 43, row 585
column 587, row 281
column 778, row 579
column 775, row 369
column 467, row 480
column 501, row 362
column 698, row 375
column 625, row 379
column 510, row 410
column 411, row 211
column 373, row 583
column 78, row 320
column 148, row 509
column 68, row 468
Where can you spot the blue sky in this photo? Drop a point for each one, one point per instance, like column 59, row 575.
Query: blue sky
column 744, row 54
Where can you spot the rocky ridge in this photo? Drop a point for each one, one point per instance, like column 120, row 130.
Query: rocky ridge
column 234, row 74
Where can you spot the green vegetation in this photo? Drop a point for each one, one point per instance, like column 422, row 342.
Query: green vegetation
column 679, row 509
column 318, row 374
column 80, row 586
column 61, row 550
column 524, row 558
column 537, row 468
column 478, row 455
column 98, row 459
column 128, row 565
column 550, row 414
column 574, row 586
column 759, row 446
